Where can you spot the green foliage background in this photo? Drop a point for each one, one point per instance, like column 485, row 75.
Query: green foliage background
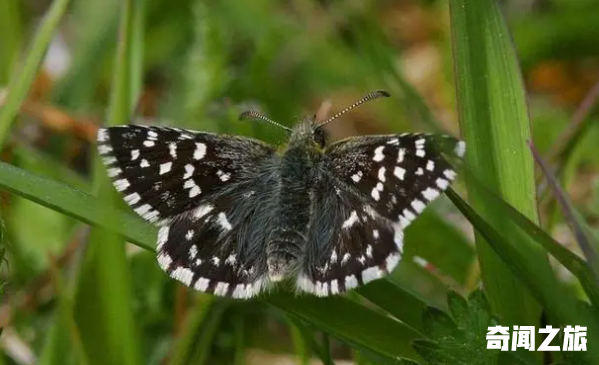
column 78, row 279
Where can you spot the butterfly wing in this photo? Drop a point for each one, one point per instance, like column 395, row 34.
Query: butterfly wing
column 369, row 191
column 209, row 193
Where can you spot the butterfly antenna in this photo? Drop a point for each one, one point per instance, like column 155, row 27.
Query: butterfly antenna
column 254, row 115
column 368, row 97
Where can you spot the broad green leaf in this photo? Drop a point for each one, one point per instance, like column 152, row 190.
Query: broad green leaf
column 494, row 123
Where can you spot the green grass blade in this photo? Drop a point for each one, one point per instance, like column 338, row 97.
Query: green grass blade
column 494, row 122
column 110, row 331
column 20, row 82
column 77, row 204
column 12, row 32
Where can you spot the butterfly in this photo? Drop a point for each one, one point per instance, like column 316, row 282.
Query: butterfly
column 237, row 215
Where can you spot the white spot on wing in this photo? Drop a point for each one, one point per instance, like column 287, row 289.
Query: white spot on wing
column 200, row 151
column 193, row 250
column 371, row 274
column 165, row 167
column 334, row 256
column 460, row 148
column 121, row 184
column 221, row 288
column 334, row 287
column 419, row 171
column 132, row 199
column 112, row 172
column 392, row 261
column 351, row 282
column 222, row 176
column 399, row 172
column 418, row 205
column 223, row 222
column 400, row 155
column 353, row 218
column 378, row 154
column 216, row 261
column 189, row 169
column 375, row 233
column 375, row 194
column 202, row 210
column 393, row 141
column 430, row 194
column 442, row 183
column 430, row 165
column 104, row 149
column 202, row 284
column 195, row 191
column 450, row 174
column 382, row 171
column 182, row 274
column 369, row 250
column 102, row 135
column 357, row 176
column 134, row 155
column 189, row 236
column 144, row 163
column 162, row 237
column 164, row 261
column 149, row 143
column 345, row 258
column 231, row 260
column 172, row 147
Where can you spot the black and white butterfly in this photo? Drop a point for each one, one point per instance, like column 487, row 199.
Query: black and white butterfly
column 237, row 215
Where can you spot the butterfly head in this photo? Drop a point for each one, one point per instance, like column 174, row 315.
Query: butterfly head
column 307, row 131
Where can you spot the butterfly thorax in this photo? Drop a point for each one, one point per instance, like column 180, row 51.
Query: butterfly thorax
column 287, row 243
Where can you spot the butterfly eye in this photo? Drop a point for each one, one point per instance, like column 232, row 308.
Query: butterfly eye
column 319, row 136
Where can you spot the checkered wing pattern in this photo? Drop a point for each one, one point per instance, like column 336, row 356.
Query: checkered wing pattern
column 206, row 191
column 372, row 188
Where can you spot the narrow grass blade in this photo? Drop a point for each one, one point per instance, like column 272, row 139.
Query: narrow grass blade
column 494, row 122
column 12, row 33
column 21, row 81
column 105, row 275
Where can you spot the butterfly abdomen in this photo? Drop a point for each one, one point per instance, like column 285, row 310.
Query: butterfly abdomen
column 287, row 243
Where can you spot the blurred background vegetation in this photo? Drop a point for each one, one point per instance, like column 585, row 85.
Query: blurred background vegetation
column 71, row 294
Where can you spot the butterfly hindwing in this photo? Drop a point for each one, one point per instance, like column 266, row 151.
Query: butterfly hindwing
column 371, row 188
column 210, row 195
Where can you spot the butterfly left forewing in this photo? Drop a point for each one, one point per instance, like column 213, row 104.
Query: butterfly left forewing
column 376, row 186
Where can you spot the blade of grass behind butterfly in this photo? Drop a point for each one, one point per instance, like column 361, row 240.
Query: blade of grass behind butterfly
column 572, row 219
column 91, row 51
column 494, row 122
column 353, row 323
column 12, row 33
column 201, row 323
column 104, row 296
column 539, row 278
column 21, row 81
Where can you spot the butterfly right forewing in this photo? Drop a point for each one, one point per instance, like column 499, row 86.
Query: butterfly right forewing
column 370, row 189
